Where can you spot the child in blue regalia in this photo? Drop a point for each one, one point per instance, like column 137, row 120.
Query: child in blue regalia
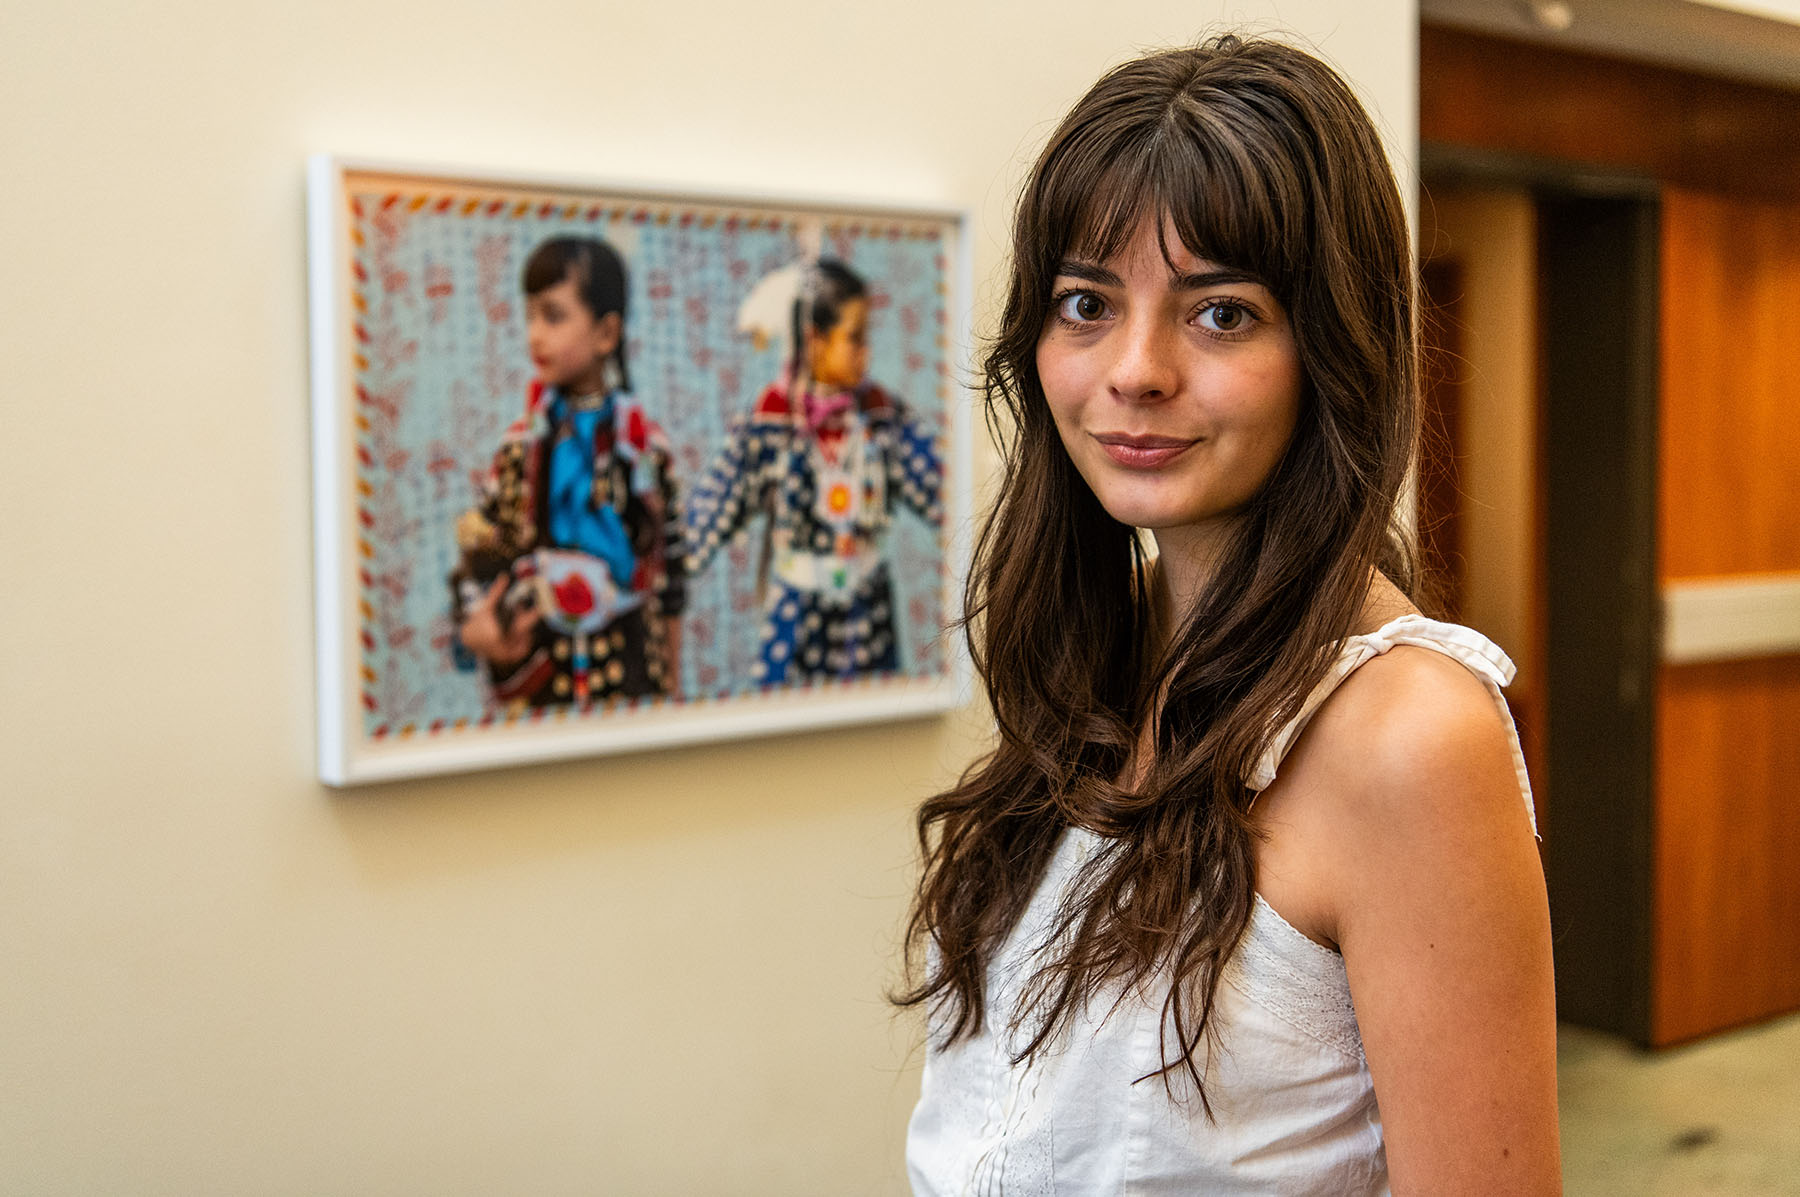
column 823, row 459
column 570, row 585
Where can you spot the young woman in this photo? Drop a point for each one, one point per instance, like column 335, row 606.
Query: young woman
column 1246, row 897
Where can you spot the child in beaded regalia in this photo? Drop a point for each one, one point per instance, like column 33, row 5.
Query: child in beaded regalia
column 823, row 460
column 570, row 584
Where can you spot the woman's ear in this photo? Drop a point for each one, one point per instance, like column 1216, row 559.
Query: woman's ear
column 607, row 331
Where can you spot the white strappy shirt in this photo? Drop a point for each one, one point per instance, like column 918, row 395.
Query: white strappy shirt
column 1294, row 1109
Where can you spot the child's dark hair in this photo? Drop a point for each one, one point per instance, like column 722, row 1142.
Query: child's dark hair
column 826, row 285
column 599, row 276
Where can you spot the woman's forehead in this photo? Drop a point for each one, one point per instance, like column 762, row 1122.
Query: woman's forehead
column 1140, row 245
column 1226, row 207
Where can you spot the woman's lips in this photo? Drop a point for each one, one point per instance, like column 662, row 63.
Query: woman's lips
column 1143, row 452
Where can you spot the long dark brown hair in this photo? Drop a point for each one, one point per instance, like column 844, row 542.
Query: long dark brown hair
column 1258, row 157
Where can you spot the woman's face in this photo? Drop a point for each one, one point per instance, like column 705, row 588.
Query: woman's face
column 1175, row 383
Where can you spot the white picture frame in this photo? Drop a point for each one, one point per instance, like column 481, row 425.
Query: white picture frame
column 418, row 337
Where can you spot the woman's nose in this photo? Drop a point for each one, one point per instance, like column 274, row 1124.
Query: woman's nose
column 1144, row 367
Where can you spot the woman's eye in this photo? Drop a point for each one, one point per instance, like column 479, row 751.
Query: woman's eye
column 1225, row 317
column 1081, row 307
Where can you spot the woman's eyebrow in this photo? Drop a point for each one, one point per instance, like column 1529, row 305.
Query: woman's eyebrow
column 1200, row 279
column 1196, row 280
column 1088, row 272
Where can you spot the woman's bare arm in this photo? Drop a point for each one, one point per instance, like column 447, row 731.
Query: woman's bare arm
column 1436, row 899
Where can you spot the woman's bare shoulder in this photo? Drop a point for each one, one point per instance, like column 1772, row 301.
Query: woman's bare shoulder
column 1411, row 734
column 1406, row 765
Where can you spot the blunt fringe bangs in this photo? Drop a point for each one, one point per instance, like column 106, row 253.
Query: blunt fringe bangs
column 1257, row 157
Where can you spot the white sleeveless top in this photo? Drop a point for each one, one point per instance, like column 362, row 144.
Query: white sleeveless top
column 1294, row 1110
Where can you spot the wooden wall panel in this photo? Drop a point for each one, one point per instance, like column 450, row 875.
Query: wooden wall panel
column 1729, row 495
column 1441, row 445
column 1526, row 98
column 1726, row 935
column 1538, row 101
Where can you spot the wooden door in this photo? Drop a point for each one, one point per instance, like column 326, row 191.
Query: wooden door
column 1727, row 827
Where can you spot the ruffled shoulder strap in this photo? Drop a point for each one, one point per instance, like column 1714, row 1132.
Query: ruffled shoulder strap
column 1476, row 652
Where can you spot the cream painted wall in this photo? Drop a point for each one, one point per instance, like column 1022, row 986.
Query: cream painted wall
column 1492, row 234
column 660, row 974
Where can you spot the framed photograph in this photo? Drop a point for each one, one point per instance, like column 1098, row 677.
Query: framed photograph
column 602, row 468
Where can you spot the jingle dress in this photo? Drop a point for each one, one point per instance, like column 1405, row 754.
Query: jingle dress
column 827, row 483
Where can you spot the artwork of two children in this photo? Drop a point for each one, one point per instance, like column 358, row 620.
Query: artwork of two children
column 654, row 521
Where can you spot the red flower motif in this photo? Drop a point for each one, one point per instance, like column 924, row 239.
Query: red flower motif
column 574, row 596
column 637, row 431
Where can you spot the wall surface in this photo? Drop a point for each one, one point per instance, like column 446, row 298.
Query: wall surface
column 659, row 974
